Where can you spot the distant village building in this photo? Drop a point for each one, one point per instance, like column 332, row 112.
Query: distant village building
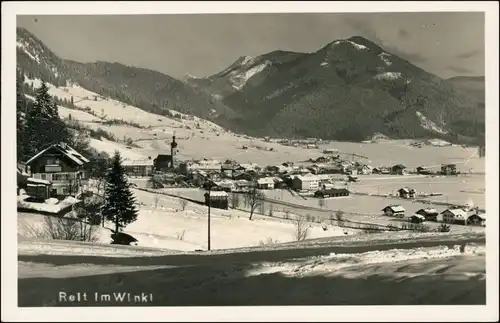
column 429, row 214
column 454, row 216
column 162, row 162
column 139, row 168
column 304, row 183
column 417, row 218
column 449, row 169
column 406, row 193
column 265, row 183
column 330, row 151
column 394, row 210
column 331, row 192
column 217, row 199
column 477, row 219
column 61, row 166
column 423, row 171
column 399, row 169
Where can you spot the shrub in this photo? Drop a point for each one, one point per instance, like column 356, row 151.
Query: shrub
column 268, row 242
column 63, row 229
column 183, row 204
column 443, row 228
column 180, row 235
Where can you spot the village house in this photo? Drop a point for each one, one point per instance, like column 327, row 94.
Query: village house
column 242, row 176
column 330, row 151
column 60, row 165
column 423, row 171
column 305, row 183
column 38, row 188
column 365, row 169
column 331, row 192
column 429, row 214
column 399, row 169
column 477, row 219
column 217, row 199
column 226, row 186
column 417, row 218
column 394, row 210
column 265, row 183
column 140, row 168
column 454, row 216
column 406, row 193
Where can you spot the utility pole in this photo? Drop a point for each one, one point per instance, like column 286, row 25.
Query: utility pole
column 208, row 202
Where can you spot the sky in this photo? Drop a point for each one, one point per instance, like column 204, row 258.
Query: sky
column 443, row 43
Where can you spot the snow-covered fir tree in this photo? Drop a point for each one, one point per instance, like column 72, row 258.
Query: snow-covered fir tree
column 119, row 206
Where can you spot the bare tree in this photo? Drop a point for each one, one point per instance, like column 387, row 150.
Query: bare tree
column 183, row 203
column 322, row 202
column 301, row 228
column 339, row 215
column 235, row 200
column 254, row 199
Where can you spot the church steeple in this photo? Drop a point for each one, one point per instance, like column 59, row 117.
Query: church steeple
column 173, row 146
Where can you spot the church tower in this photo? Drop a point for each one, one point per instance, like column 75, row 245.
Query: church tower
column 173, row 148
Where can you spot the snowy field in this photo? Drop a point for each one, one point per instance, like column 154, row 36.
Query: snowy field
column 455, row 190
column 162, row 224
column 357, row 208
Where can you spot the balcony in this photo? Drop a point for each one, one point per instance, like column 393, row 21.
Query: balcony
column 58, row 177
column 53, row 168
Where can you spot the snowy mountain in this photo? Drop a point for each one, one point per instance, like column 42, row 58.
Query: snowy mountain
column 347, row 90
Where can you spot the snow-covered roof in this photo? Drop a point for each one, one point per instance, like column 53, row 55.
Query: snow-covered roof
column 456, row 212
column 143, row 162
column 418, row 216
column 38, row 181
column 429, row 211
column 68, row 151
column 310, row 178
column 395, row 208
column 218, row 193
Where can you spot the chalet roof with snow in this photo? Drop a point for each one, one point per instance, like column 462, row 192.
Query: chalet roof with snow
column 419, row 216
column 457, row 213
column 66, row 150
column 143, row 162
column 428, row 211
column 394, row 208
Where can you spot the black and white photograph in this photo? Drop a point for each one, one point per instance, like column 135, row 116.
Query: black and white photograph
column 204, row 154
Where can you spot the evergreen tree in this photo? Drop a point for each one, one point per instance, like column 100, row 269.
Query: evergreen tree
column 119, row 206
column 43, row 125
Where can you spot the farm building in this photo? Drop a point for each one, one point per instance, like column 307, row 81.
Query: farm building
column 423, row 171
column 477, row 219
column 226, row 186
column 399, row 169
column 265, row 183
column 406, row 193
column 242, row 176
column 310, row 182
column 217, row 199
column 61, row 165
column 38, row 188
column 138, row 167
column 330, row 151
column 417, row 218
column 454, row 216
column 394, row 210
column 332, row 192
column 428, row 214
column 365, row 170
column 449, row 169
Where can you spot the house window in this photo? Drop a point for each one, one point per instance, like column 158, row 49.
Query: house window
column 43, row 176
column 52, row 161
column 65, row 191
